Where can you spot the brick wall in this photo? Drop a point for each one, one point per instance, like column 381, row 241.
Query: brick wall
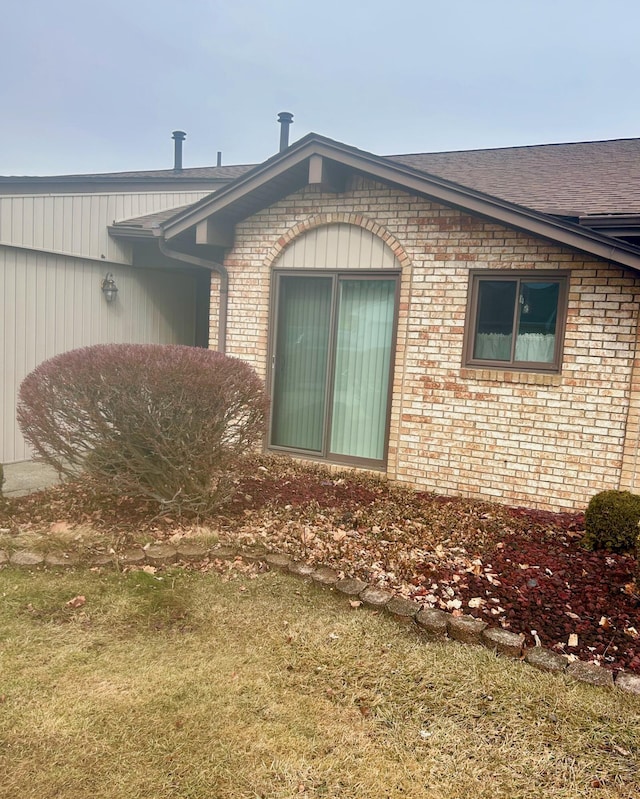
column 545, row 441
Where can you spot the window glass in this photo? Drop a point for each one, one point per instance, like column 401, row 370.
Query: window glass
column 363, row 356
column 301, row 371
column 333, row 352
column 517, row 320
column 536, row 339
column 494, row 327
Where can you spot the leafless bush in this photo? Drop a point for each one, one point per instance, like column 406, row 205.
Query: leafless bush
column 166, row 422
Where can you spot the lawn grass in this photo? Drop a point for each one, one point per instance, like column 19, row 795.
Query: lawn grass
column 521, row 569
column 192, row 686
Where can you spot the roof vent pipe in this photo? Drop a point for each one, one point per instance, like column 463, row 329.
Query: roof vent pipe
column 219, row 159
column 285, row 119
column 178, row 137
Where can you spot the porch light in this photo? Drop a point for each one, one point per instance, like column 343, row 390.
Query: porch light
column 109, row 288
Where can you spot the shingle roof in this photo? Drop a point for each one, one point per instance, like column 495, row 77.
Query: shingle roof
column 601, row 177
column 570, row 180
column 219, row 172
column 205, row 173
column 575, row 179
column 148, row 221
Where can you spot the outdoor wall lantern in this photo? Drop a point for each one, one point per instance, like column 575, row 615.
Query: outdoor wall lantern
column 109, row 288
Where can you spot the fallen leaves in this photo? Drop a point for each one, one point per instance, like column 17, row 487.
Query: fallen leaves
column 307, row 536
column 76, row 602
column 522, row 569
column 59, row 527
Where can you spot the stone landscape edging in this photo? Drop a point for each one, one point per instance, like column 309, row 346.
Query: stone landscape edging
column 433, row 623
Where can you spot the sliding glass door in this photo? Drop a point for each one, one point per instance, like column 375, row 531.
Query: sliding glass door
column 332, row 364
column 302, row 357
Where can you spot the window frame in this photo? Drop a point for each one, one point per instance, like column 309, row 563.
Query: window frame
column 476, row 277
column 325, row 454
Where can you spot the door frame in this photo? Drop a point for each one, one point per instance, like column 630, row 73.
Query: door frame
column 336, row 274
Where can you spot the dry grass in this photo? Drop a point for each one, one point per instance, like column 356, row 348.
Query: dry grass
column 193, row 686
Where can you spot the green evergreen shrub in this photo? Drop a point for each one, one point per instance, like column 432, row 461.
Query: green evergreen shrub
column 166, row 422
column 611, row 521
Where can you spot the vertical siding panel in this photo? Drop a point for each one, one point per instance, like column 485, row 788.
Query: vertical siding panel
column 8, row 360
column 58, row 224
column 37, row 220
column 4, row 222
column 77, row 209
column 321, row 246
column 52, row 304
column 354, row 247
column 67, row 224
column 30, row 288
column 8, row 225
column 77, row 223
column 4, row 323
column 16, row 219
column 338, row 246
column 99, row 218
column 19, row 331
column 343, row 238
column 46, row 233
column 366, row 250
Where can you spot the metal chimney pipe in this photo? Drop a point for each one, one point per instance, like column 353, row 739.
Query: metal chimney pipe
column 285, row 119
column 178, row 137
column 219, row 159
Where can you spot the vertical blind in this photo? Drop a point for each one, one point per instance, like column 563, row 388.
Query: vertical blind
column 302, row 349
column 363, row 355
column 359, row 349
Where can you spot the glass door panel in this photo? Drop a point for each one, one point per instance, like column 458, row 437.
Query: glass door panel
column 301, row 359
column 362, row 363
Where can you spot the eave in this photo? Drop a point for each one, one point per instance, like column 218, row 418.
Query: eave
column 307, row 160
column 130, row 232
column 624, row 226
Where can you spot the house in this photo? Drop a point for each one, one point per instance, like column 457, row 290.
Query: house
column 460, row 322
column 56, row 256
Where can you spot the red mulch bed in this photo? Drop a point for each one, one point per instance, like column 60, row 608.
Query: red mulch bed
column 554, row 587
column 522, row 569
column 537, row 580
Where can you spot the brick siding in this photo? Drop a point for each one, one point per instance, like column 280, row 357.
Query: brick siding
column 522, row 438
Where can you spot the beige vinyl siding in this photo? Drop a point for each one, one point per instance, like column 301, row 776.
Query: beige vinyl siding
column 76, row 224
column 51, row 304
column 337, row 246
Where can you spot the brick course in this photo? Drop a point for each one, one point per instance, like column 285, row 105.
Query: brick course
column 541, row 440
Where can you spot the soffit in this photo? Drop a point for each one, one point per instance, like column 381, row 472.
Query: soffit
column 288, row 171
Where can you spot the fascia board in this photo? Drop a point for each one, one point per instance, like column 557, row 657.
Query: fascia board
column 460, row 197
column 220, row 200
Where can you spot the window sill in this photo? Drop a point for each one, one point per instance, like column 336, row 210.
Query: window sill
column 507, row 376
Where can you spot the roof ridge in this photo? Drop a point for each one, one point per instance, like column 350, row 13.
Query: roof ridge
column 516, row 147
column 168, row 171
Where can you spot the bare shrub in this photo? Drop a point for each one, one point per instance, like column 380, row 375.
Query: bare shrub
column 166, row 422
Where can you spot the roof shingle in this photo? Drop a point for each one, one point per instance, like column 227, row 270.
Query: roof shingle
column 601, row 177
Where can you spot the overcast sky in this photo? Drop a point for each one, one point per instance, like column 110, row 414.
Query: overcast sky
column 98, row 86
